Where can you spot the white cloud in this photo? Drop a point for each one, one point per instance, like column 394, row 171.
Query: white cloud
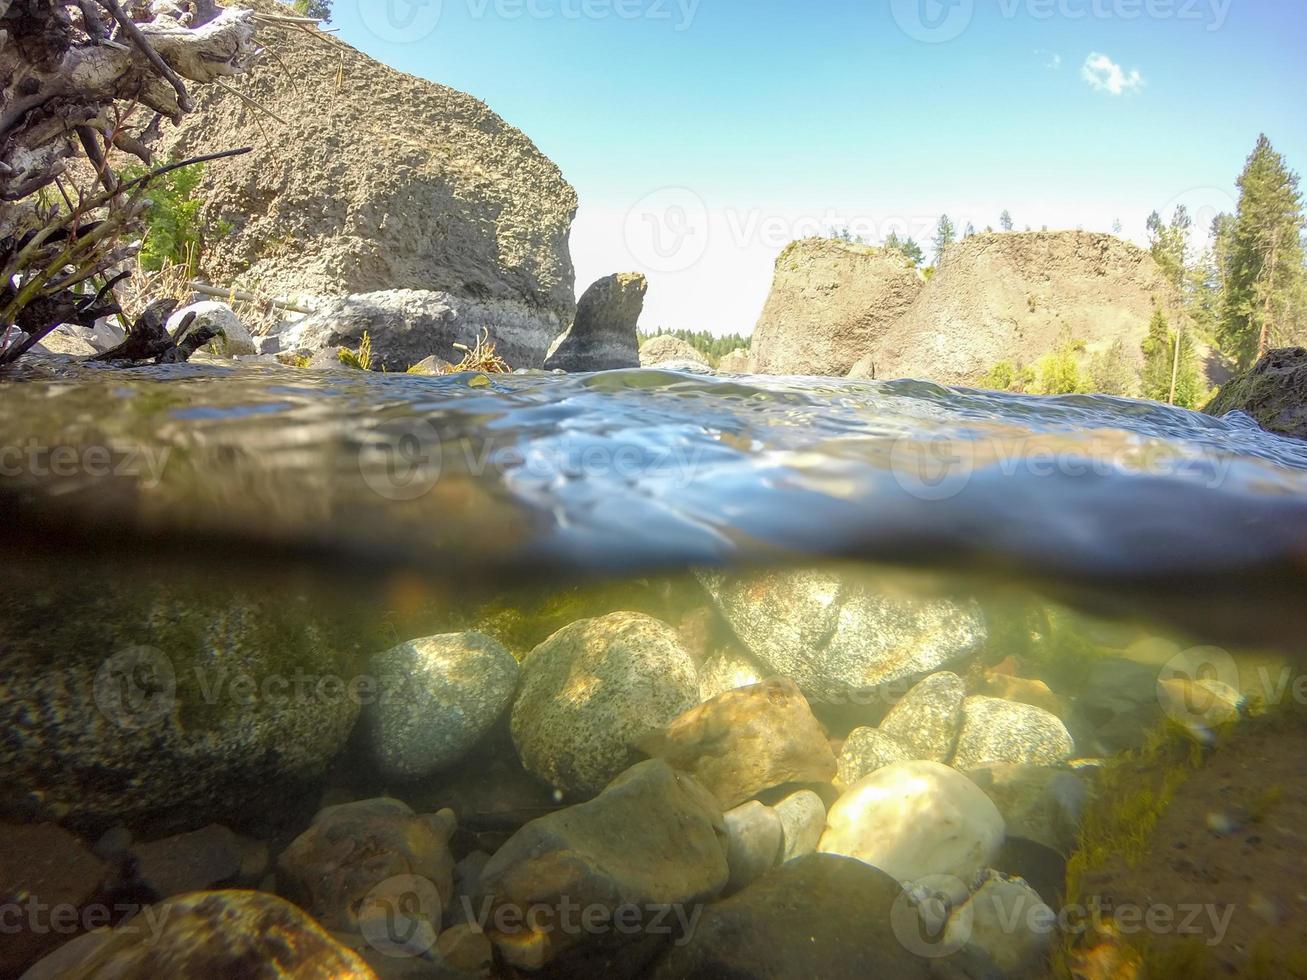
column 1105, row 75
column 1052, row 60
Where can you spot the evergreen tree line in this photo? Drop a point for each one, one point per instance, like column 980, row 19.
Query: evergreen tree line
column 711, row 346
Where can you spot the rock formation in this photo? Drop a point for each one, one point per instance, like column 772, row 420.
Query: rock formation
column 830, row 304
column 603, row 337
column 365, row 179
column 666, row 349
column 1010, row 297
column 1274, row 392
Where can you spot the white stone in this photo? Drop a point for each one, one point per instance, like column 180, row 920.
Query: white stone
column 754, row 838
column 803, row 819
column 235, row 338
column 913, row 819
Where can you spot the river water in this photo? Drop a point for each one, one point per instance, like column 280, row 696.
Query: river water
column 1068, row 554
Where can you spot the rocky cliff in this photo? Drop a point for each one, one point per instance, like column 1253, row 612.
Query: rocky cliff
column 1009, row 297
column 368, row 179
column 830, row 305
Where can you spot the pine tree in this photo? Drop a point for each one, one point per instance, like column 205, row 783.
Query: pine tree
column 945, row 235
column 1112, row 372
column 970, row 232
column 1170, row 243
column 1266, row 257
column 905, row 247
column 1005, row 221
column 1161, row 370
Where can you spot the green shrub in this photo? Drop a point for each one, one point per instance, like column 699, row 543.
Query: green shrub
column 174, row 233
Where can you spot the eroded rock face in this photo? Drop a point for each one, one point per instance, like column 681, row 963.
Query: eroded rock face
column 819, row 916
column 747, row 740
column 653, row 838
column 215, row 934
column 666, row 349
column 437, row 696
column 995, row 731
column 603, row 336
column 591, row 691
column 914, row 819
column 380, row 181
column 1274, row 392
column 837, row 636
column 352, row 849
column 407, row 326
column 830, row 303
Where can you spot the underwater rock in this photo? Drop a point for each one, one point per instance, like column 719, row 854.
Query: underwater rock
column 803, row 818
column 1005, row 926
column 653, row 838
column 198, row 861
column 55, row 869
column 726, row 671
column 1273, row 391
column 913, row 819
column 1038, row 803
column 865, row 751
column 835, row 636
column 466, row 949
column 353, row 849
column 997, row 731
column 594, row 688
column 603, row 336
column 437, row 696
column 754, row 838
column 1116, row 707
column 927, row 719
column 748, row 740
column 1200, row 705
column 821, row 916
column 174, row 705
column 213, row 934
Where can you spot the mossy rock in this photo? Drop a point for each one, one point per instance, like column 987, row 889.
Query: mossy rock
column 164, row 705
column 1274, row 393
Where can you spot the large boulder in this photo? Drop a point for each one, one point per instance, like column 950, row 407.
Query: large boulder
column 437, row 696
column 747, row 740
column 995, row 731
column 233, row 336
column 603, row 336
column 737, row 361
column 351, row 849
column 914, row 819
column 837, row 636
column 407, row 326
column 666, row 349
column 1011, row 297
column 210, row 934
column 820, row 916
column 865, row 751
column 176, row 705
column 830, row 304
column 375, row 180
column 1274, row 392
column 591, row 691
column 654, row 838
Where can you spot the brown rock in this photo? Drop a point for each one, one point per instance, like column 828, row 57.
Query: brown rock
column 747, row 740
column 198, row 861
column 352, row 849
column 42, row 868
column 215, row 934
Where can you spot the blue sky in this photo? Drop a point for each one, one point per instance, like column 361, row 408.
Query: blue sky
column 704, row 135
